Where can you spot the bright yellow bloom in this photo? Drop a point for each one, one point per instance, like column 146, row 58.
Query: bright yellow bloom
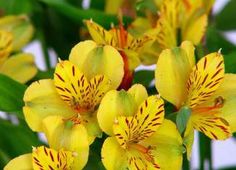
column 178, row 20
column 127, row 45
column 15, row 32
column 140, row 137
column 43, row 158
column 204, row 88
column 20, row 27
column 77, row 89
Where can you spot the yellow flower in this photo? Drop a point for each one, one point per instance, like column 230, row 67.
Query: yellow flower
column 77, row 88
column 127, row 45
column 43, row 158
column 178, row 20
column 15, row 32
column 140, row 137
column 202, row 87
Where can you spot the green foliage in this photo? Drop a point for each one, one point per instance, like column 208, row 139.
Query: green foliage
column 144, row 77
column 225, row 20
column 215, row 41
column 78, row 15
column 11, row 98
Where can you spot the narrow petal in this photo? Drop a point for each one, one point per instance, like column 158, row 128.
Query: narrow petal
column 113, row 156
column 72, row 86
column 72, row 138
column 172, row 72
column 205, row 78
column 168, row 24
column 195, row 29
column 20, row 67
column 114, row 104
column 93, row 59
column 167, row 146
column 47, row 158
column 211, row 125
column 142, row 125
column 99, row 34
column 23, row 162
column 42, row 100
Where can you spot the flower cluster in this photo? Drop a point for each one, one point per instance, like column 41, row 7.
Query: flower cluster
column 92, row 94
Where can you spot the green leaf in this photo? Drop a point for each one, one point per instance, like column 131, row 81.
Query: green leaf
column 230, row 62
column 182, row 118
column 11, row 94
column 144, row 77
column 215, row 41
column 16, row 6
column 78, row 15
column 225, row 20
column 15, row 140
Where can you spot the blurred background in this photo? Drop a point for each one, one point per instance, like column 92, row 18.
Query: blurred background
column 59, row 26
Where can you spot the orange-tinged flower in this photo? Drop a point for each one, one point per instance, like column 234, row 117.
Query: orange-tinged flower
column 77, row 88
column 127, row 45
column 200, row 87
column 140, row 138
column 43, row 158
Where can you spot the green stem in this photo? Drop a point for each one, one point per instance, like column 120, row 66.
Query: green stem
column 186, row 165
column 205, row 151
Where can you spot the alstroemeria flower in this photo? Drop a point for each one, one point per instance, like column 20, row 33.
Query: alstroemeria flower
column 140, row 137
column 44, row 158
column 178, row 20
column 127, row 45
column 77, row 88
column 15, row 32
column 202, row 87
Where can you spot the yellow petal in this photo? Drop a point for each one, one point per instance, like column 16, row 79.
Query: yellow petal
column 23, row 162
column 195, row 29
column 189, row 49
column 42, row 100
column 168, row 146
column 99, row 34
column 226, row 91
column 172, row 72
column 99, row 86
column 5, row 45
column 70, row 137
column 20, row 27
column 210, row 124
column 168, row 24
column 139, row 92
column 93, row 59
column 204, row 79
column 112, row 105
column 139, row 26
column 142, row 125
column 113, row 156
column 72, row 86
column 20, row 67
column 47, row 158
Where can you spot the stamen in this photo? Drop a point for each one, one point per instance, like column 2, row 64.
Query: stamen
column 219, row 102
column 146, row 151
